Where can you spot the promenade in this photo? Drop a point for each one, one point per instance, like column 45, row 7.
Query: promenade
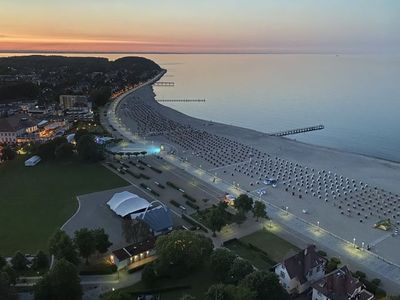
column 284, row 223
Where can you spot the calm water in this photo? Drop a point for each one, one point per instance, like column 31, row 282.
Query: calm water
column 356, row 97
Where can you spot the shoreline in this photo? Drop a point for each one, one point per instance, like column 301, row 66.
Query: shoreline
column 374, row 171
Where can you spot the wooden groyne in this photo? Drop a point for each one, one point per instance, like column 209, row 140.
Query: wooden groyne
column 181, row 100
column 299, row 130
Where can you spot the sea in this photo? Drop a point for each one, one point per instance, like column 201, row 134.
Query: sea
column 355, row 96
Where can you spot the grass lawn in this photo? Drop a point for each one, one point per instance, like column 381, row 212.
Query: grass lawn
column 36, row 201
column 199, row 281
column 276, row 248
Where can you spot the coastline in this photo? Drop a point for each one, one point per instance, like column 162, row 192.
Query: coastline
column 377, row 171
column 339, row 228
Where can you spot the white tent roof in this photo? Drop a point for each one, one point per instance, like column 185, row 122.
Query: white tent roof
column 125, row 203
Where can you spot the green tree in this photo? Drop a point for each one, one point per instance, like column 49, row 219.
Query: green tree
column 19, row 262
column 243, row 203
column 64, row 151
column 88, row 150
column 62, row 246
column 101, row 238
column 149, row 275
column 62, row 283
column 220, row 291
column 187, row 297
column 240, row 269
column 80, row 133
column 332, row 264
column 5, row 287
column 3, row 262
column 8, row 153
column 12, row 274
column 100, row 96
column 41, row 261
column 265, row 285
column 215, row 219
column 221, row 260
column 181, row 251
column 259, row 210
column 85, row 242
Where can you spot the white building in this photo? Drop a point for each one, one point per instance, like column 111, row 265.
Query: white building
column 126, row 203
column 33, row 161
column 300, row 270
column 340, row 284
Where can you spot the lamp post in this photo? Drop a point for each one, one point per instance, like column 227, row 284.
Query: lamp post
column 354, row 242
column 318, row 226
column 287, row 210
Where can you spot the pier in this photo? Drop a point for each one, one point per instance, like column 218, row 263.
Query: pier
column 299, row 130
column 164, row 83
column 181, row 100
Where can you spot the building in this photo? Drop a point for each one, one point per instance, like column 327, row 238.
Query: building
column 73, row 101
column 17, row 128
column 126, row 203
column 340, row 285
column 33, row 161
column 158, row 218
column 134, row 255
column 300, row 270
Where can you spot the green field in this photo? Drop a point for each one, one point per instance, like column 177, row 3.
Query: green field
column 276, row 248
column 35, row 201
column 273, row 246
column 197, row 282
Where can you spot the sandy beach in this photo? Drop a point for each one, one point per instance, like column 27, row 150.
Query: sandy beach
column 345, row 193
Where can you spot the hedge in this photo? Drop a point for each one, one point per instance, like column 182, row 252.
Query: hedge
column 173, row 202
column 192, row 205
column 190, row 198
column 194, row 222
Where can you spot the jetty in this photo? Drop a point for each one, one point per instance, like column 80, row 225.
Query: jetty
column 164, row 83
column 181, row 100
column 299, row 130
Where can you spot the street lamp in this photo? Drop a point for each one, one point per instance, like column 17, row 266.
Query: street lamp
column 354, row 242
column 362, row 245
column 287, row 210
column 318, row 225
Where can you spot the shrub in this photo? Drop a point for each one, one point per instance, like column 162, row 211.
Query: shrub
column 174, row 203
column 321, row 253
column 149, row 275
column 144, row 176
column 192, row 205
column 190, row 198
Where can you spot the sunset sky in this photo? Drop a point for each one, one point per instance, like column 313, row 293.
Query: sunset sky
column 200, row 26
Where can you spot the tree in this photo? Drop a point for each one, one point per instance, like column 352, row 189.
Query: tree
column 48, row 150
column 135, row 230
column 243, row 203
column 101, row 95
column 19, row 262
column 149, row 275
column 8, row 153
column 85, row 242
column 221, row 260
column 265, row 285
column 12, row 274
column 41, row 261
column 5, row 287
column 102, row 242
column 118, row 296
column 187, row 297
column 64, row 151
column 88, row 150
column 3, row 262
column 62, row 246
column 240, row 269
column 215, row 219
column 181, row 251
column 80, row 133
column 220, row 292
column 259, row 210
column 62, row 283
column 332, row 264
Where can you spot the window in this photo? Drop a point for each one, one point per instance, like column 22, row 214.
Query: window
column 282, row 274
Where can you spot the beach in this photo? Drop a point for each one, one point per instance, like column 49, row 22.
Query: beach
column 338, row 193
